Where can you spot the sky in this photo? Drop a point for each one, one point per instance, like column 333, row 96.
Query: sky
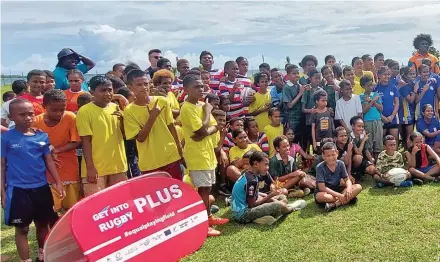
column 34, row 32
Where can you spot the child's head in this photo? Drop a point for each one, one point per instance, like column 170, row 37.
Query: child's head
column 423, row 72
column 8, row 95
column 231, row 69
column 264, row 68
column 326, row 140
column 427, row 111
column 348, row 73
column 117, row 83
column 394, row 67
column 384, row 75
column 427, row 61
column 288, row 132
column 329, row 153
column 20, row 87
column 308, row 63
column 357, row 124
column 337, row 71
column 243, row 65
column 163, row 78
column 262, row 80
column 75, row 78
column 102, row 90
column 379, row 60
column 246, row 157
column 193, row 86
column 422, row 42
column 220, row 117
column 330, row 60
column 408, row 74
column 182, row 67
column 118, row 70
column 346, row 88
column 292, row 73
column 259, row 162
column 357, row 64
column 225, row 103
column 327, row 73
column 127, row 93
column 138, row 82
column 206, row 60
column 240, row 138
column 320, row 98
column 275, row 116
column 164, row 63
column 55, row 103
column 214, row 100
column 84, row 99
column 251, row 127
column 368, row 62
column 340, row 135
column 390, row 143
column 277, row 78
column 367, row 83
column 21, row 112
column 416, row 139
column 131, row 66
column 236, row 123
column 36, row 81
column 282, row 145
column 206, row 77
column 315, row 77
column 50, row 81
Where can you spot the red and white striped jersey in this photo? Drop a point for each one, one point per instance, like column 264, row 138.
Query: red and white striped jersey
column 216, row 75
column 236, row 107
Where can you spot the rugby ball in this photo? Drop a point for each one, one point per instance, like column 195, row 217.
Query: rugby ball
column 396, row 175
column 298, row 204
column 245, row 94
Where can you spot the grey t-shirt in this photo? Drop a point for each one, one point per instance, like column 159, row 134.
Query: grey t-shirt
column 329, row 178
column 324, row 124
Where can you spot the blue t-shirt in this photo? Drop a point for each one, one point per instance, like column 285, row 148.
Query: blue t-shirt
column 25, row 165
column 60, row 75
column 406, row 109
column 429, row 96
column 331, row 179
column 433, row 126
column 245, row 187
column 388, row 93
column 372, row 114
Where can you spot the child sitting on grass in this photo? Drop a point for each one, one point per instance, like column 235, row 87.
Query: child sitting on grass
column 388, row 159
column 330, row 191
column 418, row 155
column 296, row 148
column 247, row 205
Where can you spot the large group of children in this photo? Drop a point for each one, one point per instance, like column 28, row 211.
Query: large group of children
column 260, row 141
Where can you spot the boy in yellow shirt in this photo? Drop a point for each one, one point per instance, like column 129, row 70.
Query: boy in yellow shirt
column 274, row 130
column 198, row 127
column 163, row 81
column 263, row 102
column 100, row 126
column 150, row 121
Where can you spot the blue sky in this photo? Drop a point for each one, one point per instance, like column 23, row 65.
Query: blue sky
column 110, row 32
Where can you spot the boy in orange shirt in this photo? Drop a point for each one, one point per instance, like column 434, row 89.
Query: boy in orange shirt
column 60, row 126
column 76, row 79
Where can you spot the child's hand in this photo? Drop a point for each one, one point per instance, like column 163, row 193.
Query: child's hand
column 224, row 161
column 390, row 118
column 236, row 85
column 155, row 111
column 121, row 99
column 118, row 114
column 415, row 150
column 342, row 199
column 267, row 106
column 313, row 111
column 301, row 90
column 401, row 83
column 425, row 87
column 60, row 190
column 366, row 136
column 92, row 175
column 251, row 99
column 207, row 107
column 348, row 192
column 283, row 191
column 307, row 87
column 350, row 146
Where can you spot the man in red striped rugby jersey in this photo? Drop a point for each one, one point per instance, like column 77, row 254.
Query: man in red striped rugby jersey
column 207, row 60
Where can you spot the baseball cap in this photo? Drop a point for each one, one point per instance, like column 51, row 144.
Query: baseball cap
column 65, row 52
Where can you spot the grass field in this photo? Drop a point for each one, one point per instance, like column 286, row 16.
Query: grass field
column 385, row 225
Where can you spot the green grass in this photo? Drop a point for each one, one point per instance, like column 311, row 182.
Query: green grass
column 385, row 225
column 6, row 88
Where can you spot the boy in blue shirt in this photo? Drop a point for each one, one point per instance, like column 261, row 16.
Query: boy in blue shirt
column 26, row 155
column 247, row 204
column 372, row 108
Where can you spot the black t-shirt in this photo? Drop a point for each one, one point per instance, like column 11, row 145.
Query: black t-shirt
column 264, row 182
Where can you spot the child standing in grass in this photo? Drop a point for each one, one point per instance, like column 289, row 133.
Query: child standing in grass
column 25, row 158
column 259, row 108
column 322, row 120
column 330, row 192
column 309, row 105
column 348, row 106
column 275, row 129
column 247, row 205
column 36, row 81
column 418, row 155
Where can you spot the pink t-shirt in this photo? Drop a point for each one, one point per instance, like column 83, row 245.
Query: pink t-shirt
column 294, row 149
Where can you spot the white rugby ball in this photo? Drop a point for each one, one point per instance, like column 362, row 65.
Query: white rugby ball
column 298, row 204
column 245, row 93
column 396, row 175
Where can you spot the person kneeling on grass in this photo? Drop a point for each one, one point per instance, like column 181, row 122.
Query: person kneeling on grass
column 248, row 206
column 389, row 159
column 283, row 169
column 334, row 188
column 418, row 156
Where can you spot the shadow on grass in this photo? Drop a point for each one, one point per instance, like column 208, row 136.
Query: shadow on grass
column 388, row 191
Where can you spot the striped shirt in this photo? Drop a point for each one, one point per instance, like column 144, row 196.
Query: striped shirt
column 216, row 75
column 236, row 108
column 263, row 142
column 228, row 143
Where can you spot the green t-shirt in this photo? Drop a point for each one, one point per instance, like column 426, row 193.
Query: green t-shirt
column 309, row 102
column 290, row 91
column 332, row 96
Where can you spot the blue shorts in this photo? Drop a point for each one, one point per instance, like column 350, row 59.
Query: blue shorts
column 425, row 169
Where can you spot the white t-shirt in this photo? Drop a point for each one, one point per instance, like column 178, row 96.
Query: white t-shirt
column 5, row 112
column 345, row 110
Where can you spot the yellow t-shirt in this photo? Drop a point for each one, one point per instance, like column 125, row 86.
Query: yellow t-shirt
column 365, row 73
column 108, row 151
column 260, row 101
column 159, row 149
column 271, row 133
column 180, row 135
column 199, row 155
column 357, row 88
column 236, row 153
column 173, row 101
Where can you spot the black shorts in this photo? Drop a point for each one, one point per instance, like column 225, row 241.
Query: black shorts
column 390, row 126
column 26, row 205
column 359, row 172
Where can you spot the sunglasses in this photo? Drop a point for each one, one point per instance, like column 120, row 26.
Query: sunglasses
column 157, row 57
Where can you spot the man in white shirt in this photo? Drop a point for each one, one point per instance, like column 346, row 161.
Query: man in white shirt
column 348, row 106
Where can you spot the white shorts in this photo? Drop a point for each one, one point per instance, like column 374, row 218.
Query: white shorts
column 202, row 178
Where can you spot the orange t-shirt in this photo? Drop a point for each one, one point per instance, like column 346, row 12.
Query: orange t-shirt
column 37, row 103
column 71, row 99
column 59, row 135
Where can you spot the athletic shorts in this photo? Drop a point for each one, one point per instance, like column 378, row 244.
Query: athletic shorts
column 359, row 171
column 425, row 169
column 102, row 183
column 375, row 130
column 26, row 205
column 202, row 178
column 173, row 169
column 390, row 126
column 72, row 196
